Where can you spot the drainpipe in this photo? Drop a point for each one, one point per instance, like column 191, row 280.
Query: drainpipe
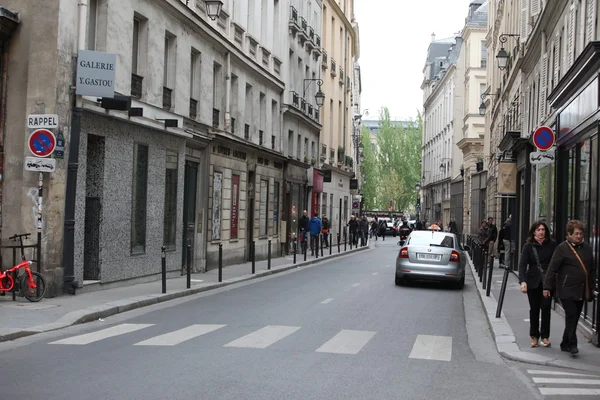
column 70, row 284
column 228, row 92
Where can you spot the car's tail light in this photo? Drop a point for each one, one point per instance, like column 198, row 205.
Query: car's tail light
column 454, row 257
column 403, row 252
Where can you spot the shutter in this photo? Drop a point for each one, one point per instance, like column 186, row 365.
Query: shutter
column 571, row 37
column 590, row 25
column 557, row 52
column 535, row 7
column 523, row 21
column 525, row 124
column 544, row 87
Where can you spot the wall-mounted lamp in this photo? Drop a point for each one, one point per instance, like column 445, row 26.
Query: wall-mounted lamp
column 320, row 96
column 213, row 8
column 482, row 107
column 502, row 55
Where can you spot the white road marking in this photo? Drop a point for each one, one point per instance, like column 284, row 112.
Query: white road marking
column 180, row 336
column 263, row 337
column 196, row 280
column 356, row 284
column 428, row 347
column 567, row 381
column 346, row 342
column 102, row 334
column 327, row 300
column 569, row 392
column 375, row 273
column 526, row 320
column 543, row 372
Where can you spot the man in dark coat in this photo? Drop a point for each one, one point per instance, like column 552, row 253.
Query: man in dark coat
column 303, row 227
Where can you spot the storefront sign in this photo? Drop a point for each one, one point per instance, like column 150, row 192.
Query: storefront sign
column 96, row 73
column 235, row 205
column 584, row 105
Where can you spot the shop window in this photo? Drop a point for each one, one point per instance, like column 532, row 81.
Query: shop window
column 264, row 208
column 546, row 195
column 170, row 217
column 138, row 199
column 276, row 208
column 584, row 182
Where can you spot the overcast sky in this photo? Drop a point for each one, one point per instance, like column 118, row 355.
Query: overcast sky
column 394, row 36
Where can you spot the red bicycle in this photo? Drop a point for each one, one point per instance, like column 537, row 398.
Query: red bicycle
column 33, row 285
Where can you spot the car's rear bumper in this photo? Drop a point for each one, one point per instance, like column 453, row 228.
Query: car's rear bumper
column 452, row 273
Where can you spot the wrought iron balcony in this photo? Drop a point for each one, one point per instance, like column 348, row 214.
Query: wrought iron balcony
column 136, row 85
column 295, row 99
column 193, row 108
column 303, row 24
column 317, row 114
column 293, row 23
column 324, row 59
column 303, row 105
column 341, row 76
column 318, row 40
column 310, row 110
column 333, row 67
column 311, row 33
column 167, row 98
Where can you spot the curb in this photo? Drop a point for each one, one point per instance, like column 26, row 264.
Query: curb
column 505, row 339
column 120, row 306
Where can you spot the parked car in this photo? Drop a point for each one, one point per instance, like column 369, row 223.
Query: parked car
column 432, row 256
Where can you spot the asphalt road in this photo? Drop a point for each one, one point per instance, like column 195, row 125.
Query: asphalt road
column 337, row 330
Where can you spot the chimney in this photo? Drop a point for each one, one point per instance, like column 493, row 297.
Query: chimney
column 433, row 37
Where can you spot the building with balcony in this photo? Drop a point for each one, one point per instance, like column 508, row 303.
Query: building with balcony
column 195, row 159
column 337, row 152
column 302, row 117
column 440, row 82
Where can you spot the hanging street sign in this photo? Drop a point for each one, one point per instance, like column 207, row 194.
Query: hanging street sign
column 36, row 121
column 541, row 157
column 40, row 164
column 96, row 73
column 543, row 138
column 42, row 143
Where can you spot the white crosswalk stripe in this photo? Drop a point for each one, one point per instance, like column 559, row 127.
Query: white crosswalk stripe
column 562, row 383
column 347, row 342
column 180, row 336
column 264, row 337
column 428, row 347
column 102, row 334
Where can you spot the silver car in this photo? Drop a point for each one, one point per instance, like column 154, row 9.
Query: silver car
column 432, row 256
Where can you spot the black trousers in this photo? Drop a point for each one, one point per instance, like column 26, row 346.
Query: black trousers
column 537, row 303
column 314, row 244
column 572, row 312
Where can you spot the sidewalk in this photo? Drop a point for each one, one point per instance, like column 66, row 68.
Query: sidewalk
column 511, row 330
column 22, row 318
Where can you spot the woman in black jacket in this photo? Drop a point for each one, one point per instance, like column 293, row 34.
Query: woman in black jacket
column 535, row 257
column 571, row 272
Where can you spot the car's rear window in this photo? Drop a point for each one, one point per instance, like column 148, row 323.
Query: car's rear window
column 432, row 239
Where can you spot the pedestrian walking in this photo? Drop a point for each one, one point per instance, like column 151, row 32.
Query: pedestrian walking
column 353, row 228
column 490, row 241
column 364, row 231
column 303, row 226
column 315, row 230
column 325, row 231
column 504, row 238
column 535, row 258
column 382, row 228
column 570, row 273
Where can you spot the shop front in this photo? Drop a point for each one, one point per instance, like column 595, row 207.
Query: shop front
column 576, row 170
column 295, row 200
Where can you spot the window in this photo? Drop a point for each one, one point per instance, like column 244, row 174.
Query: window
column 330, row 208
column 264, row 208
column 136, row 47
column 92, row 22
column 260, row 137
column 299, row 147
column 290, row 143
column 306, row 149
column 483, row 54
column 235, row 205
column 246, row 131
column 324, row 206
column 273, row 142
column 170, row 217
column 276, row 208
column 345, row 209
column 138, row 199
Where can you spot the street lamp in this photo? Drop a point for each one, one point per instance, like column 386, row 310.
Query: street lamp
column 320, row 96
column 502, row 55
column 482, row 107
column 213, row 8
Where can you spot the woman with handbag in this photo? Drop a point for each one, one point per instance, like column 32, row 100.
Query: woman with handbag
column 570, row 272
column 535, row 257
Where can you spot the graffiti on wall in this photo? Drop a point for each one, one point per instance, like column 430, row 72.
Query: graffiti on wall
column 217, row 205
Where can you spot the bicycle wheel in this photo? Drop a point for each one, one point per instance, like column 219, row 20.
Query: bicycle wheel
column 33, row 294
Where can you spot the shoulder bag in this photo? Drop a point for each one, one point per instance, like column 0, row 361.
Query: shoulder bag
column 539, row 265
column 588, row 295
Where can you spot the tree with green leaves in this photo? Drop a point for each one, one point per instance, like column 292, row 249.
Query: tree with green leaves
column 391, row 166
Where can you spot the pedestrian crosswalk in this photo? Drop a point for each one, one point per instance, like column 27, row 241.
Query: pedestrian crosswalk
column 563, row 383
column 344, row 341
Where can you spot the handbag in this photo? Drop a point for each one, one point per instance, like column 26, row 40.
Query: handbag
column 588, row 295
column 540, row 270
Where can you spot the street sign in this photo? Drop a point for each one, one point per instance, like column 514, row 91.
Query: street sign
column 42, row 143
column 40, row 164
column 543, row 138
column 37, row 121
column 541, row 157
column 355, row 205
column 96, row 73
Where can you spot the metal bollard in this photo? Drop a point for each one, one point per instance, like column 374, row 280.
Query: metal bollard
column 294, row 246
column 330, row 236
column 345, row 237
column 490, row 273
column 321, row 240
column 220, row 262
column 269, row 255
column 339, row 242
column 304, row 247
column 502, row 292
column 164, row 269
column 315, row 245
column 253, row 250
column 351, row 240
column 189, row 267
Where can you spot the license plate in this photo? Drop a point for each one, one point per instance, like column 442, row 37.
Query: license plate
column 425, row 256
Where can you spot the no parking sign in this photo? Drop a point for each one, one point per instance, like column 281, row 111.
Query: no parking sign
column 42, row 143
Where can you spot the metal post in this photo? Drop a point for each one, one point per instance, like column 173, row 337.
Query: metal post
column 351, row 239
column 490, row 273
column 315, row 245
column 17, row 281
column 330, row 236
column 269, row 255
column 189, row 267
column 502, row 292
column 320, row 238
column 294, row 245
column 345, row 237
column 164, row 269
column 220, row 262
column 38, row 264
column 304, row 248
column 253, row 256
column 339, row 242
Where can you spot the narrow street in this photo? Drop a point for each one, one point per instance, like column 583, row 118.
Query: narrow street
column 331, row 331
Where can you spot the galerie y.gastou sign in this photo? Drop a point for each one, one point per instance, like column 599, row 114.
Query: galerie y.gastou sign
column 96, row 73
